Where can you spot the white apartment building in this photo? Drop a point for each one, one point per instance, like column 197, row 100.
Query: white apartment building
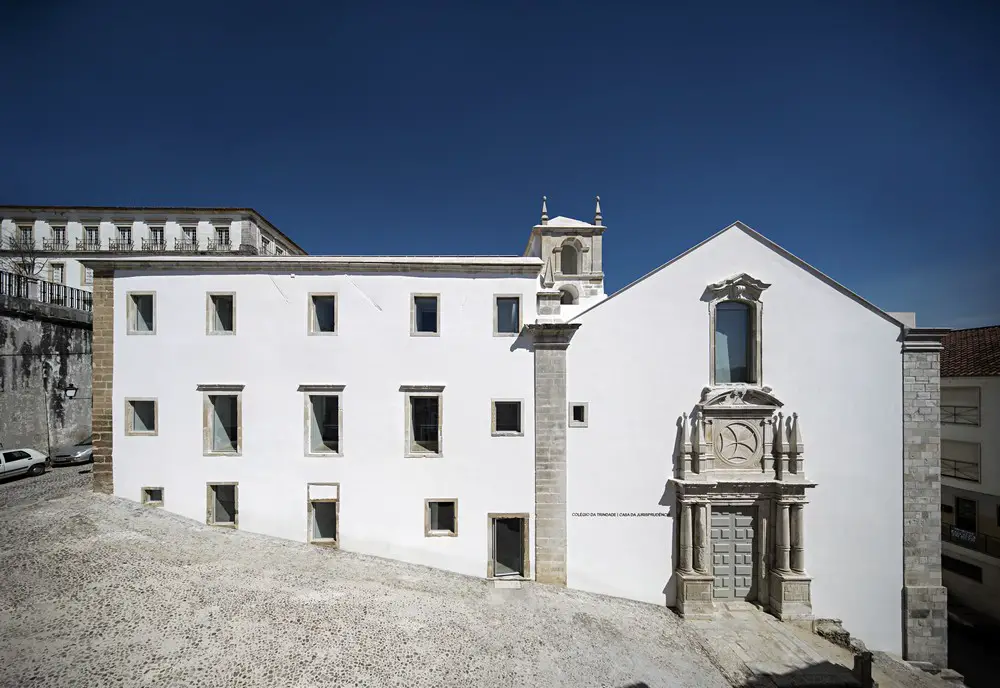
column 55, row 238
column 678, row 442
column 970, row 467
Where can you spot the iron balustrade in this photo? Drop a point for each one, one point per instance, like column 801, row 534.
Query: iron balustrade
column 183, row 245
column 154, row 245
column 55, row 245
column 88, row 245
column 12, row 284
column 960, row 415
column 980, row 542
column 960, row 470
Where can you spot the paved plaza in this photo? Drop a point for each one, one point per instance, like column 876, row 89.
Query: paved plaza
column 99, row 591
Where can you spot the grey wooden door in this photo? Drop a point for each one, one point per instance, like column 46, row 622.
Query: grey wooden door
column 733, row 552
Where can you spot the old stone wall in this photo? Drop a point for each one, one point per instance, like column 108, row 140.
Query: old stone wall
column 104, row 360
column 43, row 350
column 925, row 610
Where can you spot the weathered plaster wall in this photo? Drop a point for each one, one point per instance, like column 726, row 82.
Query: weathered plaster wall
column 642, row 357
column 42, row 350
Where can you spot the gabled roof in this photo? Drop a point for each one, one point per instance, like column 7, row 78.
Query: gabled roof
column 757, row 236
column 562, row 221
column 971, row 353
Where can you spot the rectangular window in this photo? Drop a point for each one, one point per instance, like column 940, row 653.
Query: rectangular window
column 506, row 417
column 222, row 314
column 222, row 504
column 960, row 405
column 423, row 419
column 58, row 272
column 323, row 520
column 140, row 417
column 578, row 414
column 962, row 568
column 58, row 234
column 425, row 319
column 141, row 312
column 507, row 315
column 278, row 251
column 960, row 460
column 440, row 517
column 27, row 235
column 125, row 235
column 152, row 496
column 190, row 235
column 265, row 245
column 88, row 276
column 322, row 314
column 222, row 419
column 222, row 236
column 966, row 516
column 93, row 234
column 324, row 424
column 733, row 342
column 156, row 235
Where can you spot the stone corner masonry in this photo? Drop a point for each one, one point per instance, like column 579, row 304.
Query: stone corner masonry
column 550, row 343
column 924, row 598
column 103, row 365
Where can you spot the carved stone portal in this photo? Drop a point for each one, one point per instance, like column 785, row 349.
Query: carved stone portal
column 738, row 449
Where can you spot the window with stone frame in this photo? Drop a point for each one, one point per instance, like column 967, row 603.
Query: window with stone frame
column 324, row 423
column 222, row 419
column 426, row 315
column 569, row 260
column 140, row 417
column 322, row 314
column 440, row 517
column 223, row 504
column 140, row 309
column 222, row 313
column 423, row 420
column 735, row 323
column 507, row 417
column 506, row 315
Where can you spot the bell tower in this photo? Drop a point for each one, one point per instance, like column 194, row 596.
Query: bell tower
column 572, row 251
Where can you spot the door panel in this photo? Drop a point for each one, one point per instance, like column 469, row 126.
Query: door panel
column 732, row 536
column 508, row 547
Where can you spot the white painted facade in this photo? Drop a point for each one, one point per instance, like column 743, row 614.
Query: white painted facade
column 638, row 360
column 61, row 236
column 978, row 587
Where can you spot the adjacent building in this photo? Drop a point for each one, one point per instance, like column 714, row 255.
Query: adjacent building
column 970, row 466
column 734, row 427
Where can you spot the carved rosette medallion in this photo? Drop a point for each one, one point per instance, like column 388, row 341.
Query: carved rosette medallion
column 738, row 443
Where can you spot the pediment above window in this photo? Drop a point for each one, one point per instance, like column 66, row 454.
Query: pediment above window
column 738, row 397
column 741, row 287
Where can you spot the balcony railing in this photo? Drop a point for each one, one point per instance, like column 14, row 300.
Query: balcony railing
column 960, row 415
column 980, row 542
column 88, row 245
column 219, row 246
column 55, row 245
column 186, row 245
column 122, row 245
column 154, row 245
column 961, row 470
column 45, row 292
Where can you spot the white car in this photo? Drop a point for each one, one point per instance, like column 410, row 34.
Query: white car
column 18, row 461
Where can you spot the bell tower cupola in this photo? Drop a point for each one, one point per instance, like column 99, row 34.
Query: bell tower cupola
column 572, row 253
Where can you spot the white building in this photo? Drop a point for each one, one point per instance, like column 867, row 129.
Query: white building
column 677, row 443
column 55, row 238
column 970, row 467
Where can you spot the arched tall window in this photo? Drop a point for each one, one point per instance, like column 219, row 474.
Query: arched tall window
column 734, row 342
column 567, row 298
column 570, row 260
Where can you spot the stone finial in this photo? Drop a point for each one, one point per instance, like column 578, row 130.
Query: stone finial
column 548, row 279
column 545, row 212
column 778, row 443
column 685, row 428
column 795, row 434
column 598, row 218
column 698, row 435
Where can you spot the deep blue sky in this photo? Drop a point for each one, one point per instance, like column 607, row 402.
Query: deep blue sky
column 861, row 136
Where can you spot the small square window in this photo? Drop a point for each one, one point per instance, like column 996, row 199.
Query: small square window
column 323, row 521
column 322, row 314
column 441, row 518
column 152, row 496
column 507, row 418
column 222, row 314
column 140, row 417
column 426, row 320
column 58, row 272
column 578, row 415
column 141, row 313
column 324, row 424
column 507, row 315
column 222, row 504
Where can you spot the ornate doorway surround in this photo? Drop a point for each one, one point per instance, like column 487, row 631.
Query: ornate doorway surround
column 738, row 449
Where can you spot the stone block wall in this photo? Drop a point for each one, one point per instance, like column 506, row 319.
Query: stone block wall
column 43, row 350
column 104, row 353
column 924, row 603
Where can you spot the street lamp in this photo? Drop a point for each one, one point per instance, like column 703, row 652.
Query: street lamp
column 70, row 391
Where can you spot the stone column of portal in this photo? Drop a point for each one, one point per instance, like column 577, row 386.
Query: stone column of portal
column 782, row 537
column 550, row 343
column 684, row 539
column 925, row 600
column 798, row 559
column 700, row 538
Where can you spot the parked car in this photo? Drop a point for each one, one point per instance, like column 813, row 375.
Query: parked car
column 81, row 452
column 18, row 461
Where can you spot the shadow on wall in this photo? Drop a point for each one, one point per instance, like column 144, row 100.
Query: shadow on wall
column 669, row 500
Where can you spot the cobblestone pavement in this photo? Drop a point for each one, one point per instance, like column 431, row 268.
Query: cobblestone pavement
column 98, row 591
